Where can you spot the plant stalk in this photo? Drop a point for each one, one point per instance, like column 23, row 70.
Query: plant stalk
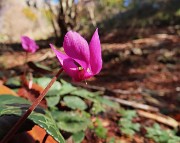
column 25, row 64
column 22, row 119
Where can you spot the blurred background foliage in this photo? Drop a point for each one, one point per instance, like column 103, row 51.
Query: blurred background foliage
column 44, row 19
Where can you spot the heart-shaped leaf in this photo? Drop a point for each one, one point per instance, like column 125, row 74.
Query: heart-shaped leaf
column 108, row 102
column 52, row 100
column 71, row 121
column 67, row 88
column 78, row 137
column 75, row 102
column 55, row 88
column 13, row 82
column 11, row 106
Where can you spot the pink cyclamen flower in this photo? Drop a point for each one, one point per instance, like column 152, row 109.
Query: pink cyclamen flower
column 28, row 44
column 81, row 60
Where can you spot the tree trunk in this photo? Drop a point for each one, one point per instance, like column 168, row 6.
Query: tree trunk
column 66, row 17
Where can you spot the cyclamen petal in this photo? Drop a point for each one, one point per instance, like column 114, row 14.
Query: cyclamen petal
column 61, row 57
column 77, row 48
column 95, row 53
column 28, row 44
column 72, row 70
column 25, row 42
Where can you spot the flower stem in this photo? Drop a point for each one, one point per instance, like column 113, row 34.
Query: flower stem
column 22, row 119
column 25, row 64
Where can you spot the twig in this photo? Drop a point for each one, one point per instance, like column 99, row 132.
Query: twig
column 126, row 92
column 160, row 118
column 133, row 104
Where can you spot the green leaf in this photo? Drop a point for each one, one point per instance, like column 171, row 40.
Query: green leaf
column 127, row 131
column 125, row 123
column 10, row 99
column 136, row 126
column 66, row 88
column 85, row 94
column 55, row 88
column 97, row 108
column 156, row 126
column 111, row 140
column 52, row 100
column 128, row 114
column 16, row 106
column 100, row 130
column 108, row 102
column 75, row 102
column 78, row 137
column 71, row 121
column 162, row 136
column 47, row 122
column 15, row 81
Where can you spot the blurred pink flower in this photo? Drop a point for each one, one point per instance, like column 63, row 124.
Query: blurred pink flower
column 28, row 44
column 81, row 60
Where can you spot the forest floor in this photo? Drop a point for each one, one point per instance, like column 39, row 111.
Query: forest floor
column 142, row 71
